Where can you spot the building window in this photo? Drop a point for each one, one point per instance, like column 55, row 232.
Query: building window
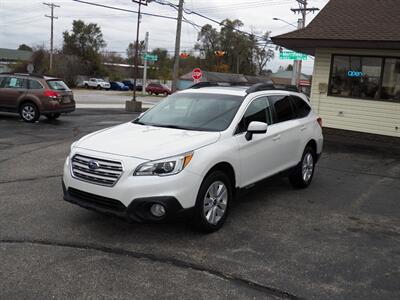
column 391, row 80
column 356, row 76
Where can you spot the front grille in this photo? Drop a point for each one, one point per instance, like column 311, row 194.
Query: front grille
column 96, row 200
column 104, row 172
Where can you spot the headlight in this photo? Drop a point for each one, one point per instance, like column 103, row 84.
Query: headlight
column 164, row 167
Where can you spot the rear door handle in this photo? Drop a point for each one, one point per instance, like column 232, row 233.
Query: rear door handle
column 302, row 128
column 276, row 138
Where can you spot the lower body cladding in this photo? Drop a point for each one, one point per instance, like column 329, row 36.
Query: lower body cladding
column 138, row 198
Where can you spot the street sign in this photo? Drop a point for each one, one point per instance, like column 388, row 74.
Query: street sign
column 150, row 57
column 197, row 74
column 291, row 55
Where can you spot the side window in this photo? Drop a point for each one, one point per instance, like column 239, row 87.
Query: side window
column 258, row 110
column 1, row 81
column 14, row 83
column 301, row 107
column 34, row 85
column 283, row 108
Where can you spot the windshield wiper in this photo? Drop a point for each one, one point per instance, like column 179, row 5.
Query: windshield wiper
column 171, row 126
column 138, row 122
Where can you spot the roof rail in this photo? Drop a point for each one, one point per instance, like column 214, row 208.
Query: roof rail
column 22, row 74
column 214, row 84
column 252, row 87
column 200, row 85
column 268, row 87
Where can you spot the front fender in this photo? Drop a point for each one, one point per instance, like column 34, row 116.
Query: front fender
column 206, row 158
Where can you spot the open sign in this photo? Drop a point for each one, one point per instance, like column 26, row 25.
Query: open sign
column 355, row 74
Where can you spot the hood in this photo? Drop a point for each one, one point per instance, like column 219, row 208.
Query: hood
column 146, row 142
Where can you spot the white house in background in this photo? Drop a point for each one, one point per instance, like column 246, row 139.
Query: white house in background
column 356, row 80
column 9, row 57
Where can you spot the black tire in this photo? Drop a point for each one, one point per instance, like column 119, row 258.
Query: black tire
column 166, row 94
column 29, row 112
column 304, row 172
column 53, row 116
column 201, row 222
column 86, row 86
column 99, row 87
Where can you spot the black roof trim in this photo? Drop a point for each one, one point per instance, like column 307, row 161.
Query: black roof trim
column 23, row 74
column 253, row 88
column 269, row 87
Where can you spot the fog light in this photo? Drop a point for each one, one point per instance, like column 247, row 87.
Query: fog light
column 157, row 210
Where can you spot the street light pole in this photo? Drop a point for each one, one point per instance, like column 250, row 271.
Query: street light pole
column 295, row 62
column 277, row 19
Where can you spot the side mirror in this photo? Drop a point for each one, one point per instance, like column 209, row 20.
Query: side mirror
column 255, row 128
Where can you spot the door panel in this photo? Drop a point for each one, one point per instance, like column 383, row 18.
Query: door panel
column 257, row 155
column 288, row 127
column 12, row 88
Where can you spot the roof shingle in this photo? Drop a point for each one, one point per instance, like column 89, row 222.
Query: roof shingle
column 352, row 21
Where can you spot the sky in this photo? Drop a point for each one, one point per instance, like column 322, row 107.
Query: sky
column 24, row 21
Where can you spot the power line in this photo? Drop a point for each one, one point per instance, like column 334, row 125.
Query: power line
column 126, row 10
column 220, row 23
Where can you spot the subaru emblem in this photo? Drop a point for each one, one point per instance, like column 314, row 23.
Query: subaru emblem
column 93, row 165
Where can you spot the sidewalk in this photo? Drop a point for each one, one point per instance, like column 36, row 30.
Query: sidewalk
column 363, row 142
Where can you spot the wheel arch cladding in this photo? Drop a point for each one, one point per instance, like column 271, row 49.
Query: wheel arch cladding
column 228, row 169
column 313, row 144
column 27, row 101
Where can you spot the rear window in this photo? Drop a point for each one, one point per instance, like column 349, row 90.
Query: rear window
column 301, row 107
column 57, row 85
column 34, row 85
column 283, row 108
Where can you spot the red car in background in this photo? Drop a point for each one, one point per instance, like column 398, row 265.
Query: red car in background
column 157, row 89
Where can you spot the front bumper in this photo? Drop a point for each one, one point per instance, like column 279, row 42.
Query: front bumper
column 138, row 210
column 131, row 196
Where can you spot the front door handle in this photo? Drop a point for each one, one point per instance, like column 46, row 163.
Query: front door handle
column 276, row 138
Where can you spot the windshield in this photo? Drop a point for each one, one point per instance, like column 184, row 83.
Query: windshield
column 57, row 85
column 203, row 112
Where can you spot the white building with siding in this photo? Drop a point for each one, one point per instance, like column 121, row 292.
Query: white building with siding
column 356, row 79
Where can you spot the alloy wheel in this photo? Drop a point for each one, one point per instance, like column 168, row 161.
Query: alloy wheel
column 307, row 167
column 28, row 112
column 215, row 202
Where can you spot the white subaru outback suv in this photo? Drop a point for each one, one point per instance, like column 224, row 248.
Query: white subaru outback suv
column 189, row 154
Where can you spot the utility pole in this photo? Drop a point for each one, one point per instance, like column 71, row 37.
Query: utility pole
column 177, row 47
column 303, row 10
column 136, row 105
column 52, row 17
column 296, row 72
column 145, row 64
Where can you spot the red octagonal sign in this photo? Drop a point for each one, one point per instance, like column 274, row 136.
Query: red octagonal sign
column 197, row 74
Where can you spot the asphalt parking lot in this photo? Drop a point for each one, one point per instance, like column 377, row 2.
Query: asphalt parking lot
column 339, row 239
